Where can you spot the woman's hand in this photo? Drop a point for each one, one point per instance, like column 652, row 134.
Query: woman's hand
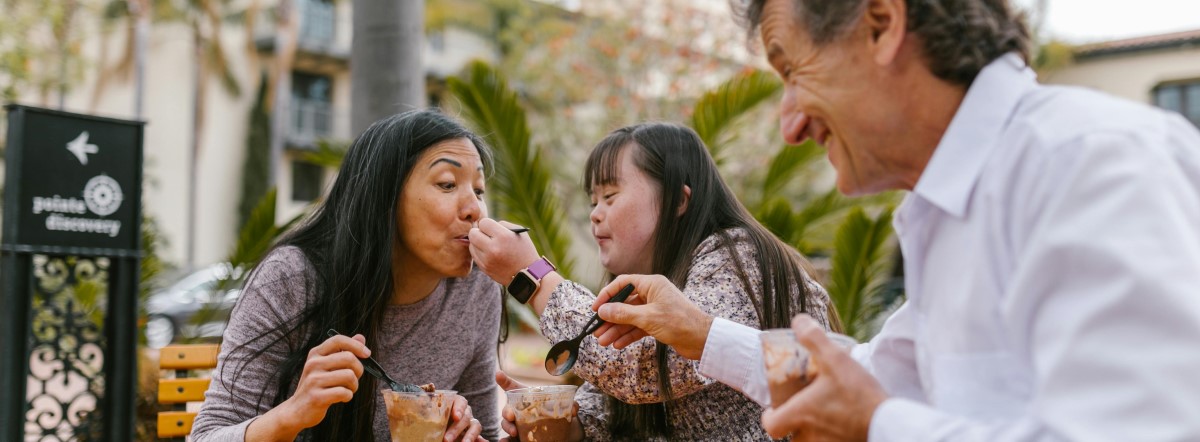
column 463, row 426
column 330, row 376
column 499, row 252
column 508, row 416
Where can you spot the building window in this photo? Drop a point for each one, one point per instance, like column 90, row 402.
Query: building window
column 307, row 181
column 1183, row 98
column 312, row 113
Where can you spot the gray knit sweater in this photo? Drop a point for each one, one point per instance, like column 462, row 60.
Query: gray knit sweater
column 448, row 339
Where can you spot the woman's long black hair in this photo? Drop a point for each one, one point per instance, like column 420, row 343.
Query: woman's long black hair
column 349, row 240
column 674, row 156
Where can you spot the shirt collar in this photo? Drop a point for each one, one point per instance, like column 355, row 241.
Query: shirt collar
column 950, row 176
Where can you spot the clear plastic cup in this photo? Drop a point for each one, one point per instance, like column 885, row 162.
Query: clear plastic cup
column 788, row 366
column 543, row 413
column 418, row 417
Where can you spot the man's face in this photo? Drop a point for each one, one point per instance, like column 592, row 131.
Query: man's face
column 834, row 94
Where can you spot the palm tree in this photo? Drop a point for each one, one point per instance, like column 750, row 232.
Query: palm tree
column 388, row 76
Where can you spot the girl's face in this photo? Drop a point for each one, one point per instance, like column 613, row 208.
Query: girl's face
column 441, row 200
column 624, row 216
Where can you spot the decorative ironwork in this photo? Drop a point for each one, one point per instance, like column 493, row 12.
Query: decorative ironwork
column 66, row 381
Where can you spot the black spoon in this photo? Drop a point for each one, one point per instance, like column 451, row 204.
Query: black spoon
column 372, row 367
column 562, row 355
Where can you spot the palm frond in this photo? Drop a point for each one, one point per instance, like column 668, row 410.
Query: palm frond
column 816, row 211
column 328, row 154
column 257, row 234
column 776, row 215
column 786, row 163
column 859, row 267
column 718, row 108
column 522, row 184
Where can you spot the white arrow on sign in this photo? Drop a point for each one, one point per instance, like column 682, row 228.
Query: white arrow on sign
column 80, row 147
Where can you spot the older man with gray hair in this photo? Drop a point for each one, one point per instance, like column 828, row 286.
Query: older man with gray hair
column 1051, row 238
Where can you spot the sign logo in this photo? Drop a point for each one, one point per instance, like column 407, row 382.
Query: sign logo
column 80, row 147
column 102, row 195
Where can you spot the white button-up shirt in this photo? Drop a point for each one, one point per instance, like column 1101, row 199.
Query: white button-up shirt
column 1052, row 266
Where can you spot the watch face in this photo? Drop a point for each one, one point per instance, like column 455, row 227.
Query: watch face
column 521, row 287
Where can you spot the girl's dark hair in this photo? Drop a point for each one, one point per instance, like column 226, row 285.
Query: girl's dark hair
column 349, row 240
column 674, row 156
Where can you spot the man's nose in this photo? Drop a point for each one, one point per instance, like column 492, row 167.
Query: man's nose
column 793, row 122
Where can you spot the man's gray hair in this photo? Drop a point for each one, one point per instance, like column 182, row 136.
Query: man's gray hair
column 959, row 37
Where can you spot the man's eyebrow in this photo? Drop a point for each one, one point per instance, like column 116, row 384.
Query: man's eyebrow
column 452, row 162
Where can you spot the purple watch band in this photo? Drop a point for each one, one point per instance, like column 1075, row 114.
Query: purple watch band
column 541, row 268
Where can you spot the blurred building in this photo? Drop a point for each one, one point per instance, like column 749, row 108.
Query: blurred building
column 319, row 110
column 1162, row 70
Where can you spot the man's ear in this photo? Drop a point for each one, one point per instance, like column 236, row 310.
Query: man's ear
column 887, row 22
column 687, row 197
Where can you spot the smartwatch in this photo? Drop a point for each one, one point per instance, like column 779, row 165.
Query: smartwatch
column 525, row 283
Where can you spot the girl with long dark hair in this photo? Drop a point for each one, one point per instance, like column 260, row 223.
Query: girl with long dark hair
column 661, row 207
column 384, row 259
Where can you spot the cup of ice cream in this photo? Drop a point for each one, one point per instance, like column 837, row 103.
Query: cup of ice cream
column 789, row 369
column 418, row 416
column 543, row 413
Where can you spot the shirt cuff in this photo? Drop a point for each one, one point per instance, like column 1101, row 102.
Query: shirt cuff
column 904, row 420
column 733, row 356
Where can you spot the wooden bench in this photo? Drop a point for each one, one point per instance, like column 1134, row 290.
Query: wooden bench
column 178, row 391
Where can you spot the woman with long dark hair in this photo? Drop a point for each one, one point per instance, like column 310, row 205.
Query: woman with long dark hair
column 661, row 207
column 384, row 259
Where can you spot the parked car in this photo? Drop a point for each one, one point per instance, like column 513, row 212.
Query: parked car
column 196, row 307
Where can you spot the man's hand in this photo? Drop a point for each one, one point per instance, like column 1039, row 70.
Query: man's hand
column 840, row 401
column 658, row 309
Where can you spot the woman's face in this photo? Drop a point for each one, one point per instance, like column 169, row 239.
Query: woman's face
column 439, row 203
column 624, row 216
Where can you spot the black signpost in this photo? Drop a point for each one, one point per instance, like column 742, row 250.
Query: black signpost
column 70, row 252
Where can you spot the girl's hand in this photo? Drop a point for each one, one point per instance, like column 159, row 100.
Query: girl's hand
column 462, row 426
column 499, row 252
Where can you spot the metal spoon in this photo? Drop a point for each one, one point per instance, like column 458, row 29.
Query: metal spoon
column 562, row 355
column 372, row 367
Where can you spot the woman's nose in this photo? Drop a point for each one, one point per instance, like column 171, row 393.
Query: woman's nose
column 472, row 208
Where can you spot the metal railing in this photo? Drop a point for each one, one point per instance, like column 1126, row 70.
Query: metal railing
column 311, row 120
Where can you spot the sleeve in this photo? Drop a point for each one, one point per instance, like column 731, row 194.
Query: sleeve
column 592, row 415
column 1104, row 296
column 243, row 384
column 733, row 352
column 891, row 355
column 733, row 356
column 478, row 382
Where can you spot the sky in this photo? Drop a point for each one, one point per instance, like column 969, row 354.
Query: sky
column 1088, row 21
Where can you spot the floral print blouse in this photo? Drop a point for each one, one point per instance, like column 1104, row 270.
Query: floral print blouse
column 705, row 409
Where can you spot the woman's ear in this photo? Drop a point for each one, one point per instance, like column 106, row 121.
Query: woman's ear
column 683, row 205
